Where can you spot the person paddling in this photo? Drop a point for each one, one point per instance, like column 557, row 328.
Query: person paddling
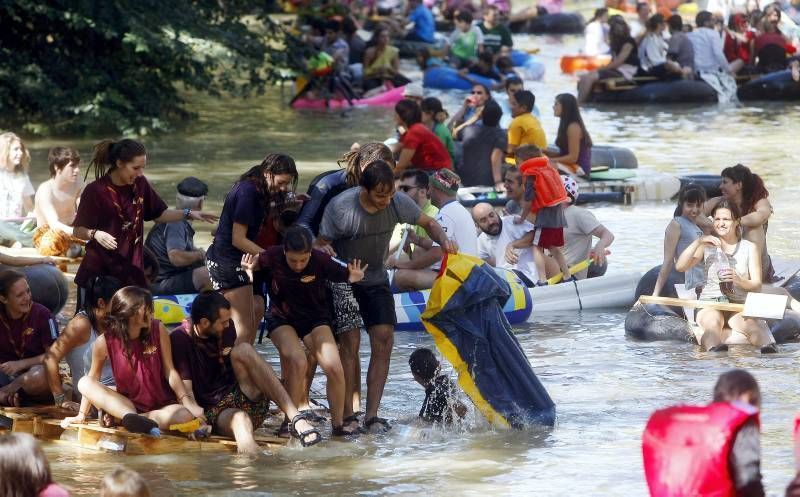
column 112, row 212
column 149, row 392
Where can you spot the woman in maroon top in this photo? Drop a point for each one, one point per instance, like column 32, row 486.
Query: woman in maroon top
column 26, row 331
column 140, row 353
column 422, row 149
column 299, row 308
column 112, row 212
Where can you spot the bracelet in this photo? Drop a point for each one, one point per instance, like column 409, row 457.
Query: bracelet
column 58, row 399
column 186, row 213
column 91, row 234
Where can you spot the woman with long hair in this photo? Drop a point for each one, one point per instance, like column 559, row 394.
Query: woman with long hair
column 433, row 117
column 746, row 190
column 573, row 141
column 382, row 61
column 596, row 34
column 149, row 391
column 251, row 200
column 681, row 232
column 74, row 343
column 732, row 270
column 16, row 189
column 27, row 329
column 421, row 148
column 624, row 59
column 25, row 470
column 112, row 212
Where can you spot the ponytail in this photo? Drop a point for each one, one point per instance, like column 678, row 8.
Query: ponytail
column 108, row 152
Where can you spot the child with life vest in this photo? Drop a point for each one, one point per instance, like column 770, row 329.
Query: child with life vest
column 543, row 202
column 707, row 450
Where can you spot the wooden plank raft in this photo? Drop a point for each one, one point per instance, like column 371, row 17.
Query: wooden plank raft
column 45, row 424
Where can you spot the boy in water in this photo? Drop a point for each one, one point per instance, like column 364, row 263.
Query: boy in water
column 441, row 394
column 707, row 450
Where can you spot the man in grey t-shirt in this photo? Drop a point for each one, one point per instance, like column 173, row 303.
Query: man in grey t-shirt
column 358, row 224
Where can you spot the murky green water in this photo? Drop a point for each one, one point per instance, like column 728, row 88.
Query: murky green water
column 604, row 385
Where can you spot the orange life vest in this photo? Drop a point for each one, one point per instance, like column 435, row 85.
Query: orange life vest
column 547, row 183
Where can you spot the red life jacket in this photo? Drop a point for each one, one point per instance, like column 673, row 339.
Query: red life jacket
column 547, row 183
column 686, row 449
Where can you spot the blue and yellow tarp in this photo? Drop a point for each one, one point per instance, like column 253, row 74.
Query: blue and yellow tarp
column 465, row 317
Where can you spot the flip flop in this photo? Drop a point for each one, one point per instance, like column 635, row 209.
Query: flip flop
column 137, row 423
column 303, row 436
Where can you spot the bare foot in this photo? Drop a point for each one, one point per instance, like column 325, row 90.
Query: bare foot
column 248, row 448
column 9, row 399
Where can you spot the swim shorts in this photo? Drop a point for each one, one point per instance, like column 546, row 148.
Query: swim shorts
column 302, row 327
column 226, row 276
column 258, row 410
column 376, row 303
column 346, row 314
column 548, row 237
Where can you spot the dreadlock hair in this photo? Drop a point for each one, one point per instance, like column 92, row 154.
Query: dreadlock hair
column 355, row 161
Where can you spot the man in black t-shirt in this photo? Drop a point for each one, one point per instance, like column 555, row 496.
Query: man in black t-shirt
column 230, row 381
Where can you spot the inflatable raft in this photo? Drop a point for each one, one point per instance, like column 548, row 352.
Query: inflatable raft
column 386, row 98
column 558, row 23
column 409, row 306
column 571, row 64
column 774, row 86
column 709, row 182
column 602, row 292
column 659, row 92
column 447, row 78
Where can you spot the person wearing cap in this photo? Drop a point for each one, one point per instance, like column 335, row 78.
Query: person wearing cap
column 414, row 92
column 419, row 271
column 496, row 233
column 582, row 227
column 181, row 265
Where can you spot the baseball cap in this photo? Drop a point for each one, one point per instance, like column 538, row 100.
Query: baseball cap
column 192, row 187
column 571, row 186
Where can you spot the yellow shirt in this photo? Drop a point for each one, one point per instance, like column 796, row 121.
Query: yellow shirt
column 526, row 130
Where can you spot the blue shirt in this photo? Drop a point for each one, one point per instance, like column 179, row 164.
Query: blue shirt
column 424, row 25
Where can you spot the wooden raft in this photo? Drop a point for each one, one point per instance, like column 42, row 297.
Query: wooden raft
column 44, row 424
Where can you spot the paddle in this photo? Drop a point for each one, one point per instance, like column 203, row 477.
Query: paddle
column 756, row 305
column 580, row 266
column 599, row 169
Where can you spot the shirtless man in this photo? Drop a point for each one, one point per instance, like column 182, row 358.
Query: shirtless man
column 56, row 203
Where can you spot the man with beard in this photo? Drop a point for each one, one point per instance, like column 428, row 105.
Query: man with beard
column 496, row 234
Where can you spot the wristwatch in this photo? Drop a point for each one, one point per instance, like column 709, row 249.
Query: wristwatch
column 186, row 213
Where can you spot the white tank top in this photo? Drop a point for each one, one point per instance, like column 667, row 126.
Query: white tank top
column 739, row 260
column 80, row 360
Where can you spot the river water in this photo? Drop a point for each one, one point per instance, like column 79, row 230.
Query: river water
column 604, row 385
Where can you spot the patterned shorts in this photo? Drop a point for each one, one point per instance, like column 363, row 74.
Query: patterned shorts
column 258, row 410
column 346, row 313
column 226, row 277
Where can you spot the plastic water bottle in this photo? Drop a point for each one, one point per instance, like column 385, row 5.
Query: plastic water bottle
column 723, row 270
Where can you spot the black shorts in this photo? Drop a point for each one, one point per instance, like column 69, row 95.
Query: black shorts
column 177, row 284
column 303, row 327
column 226, row 276
column 376, row 303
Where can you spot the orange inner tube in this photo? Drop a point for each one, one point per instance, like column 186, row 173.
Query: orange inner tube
column 575, row 63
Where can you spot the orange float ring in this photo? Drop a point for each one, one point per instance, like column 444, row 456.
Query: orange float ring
column 571, row 64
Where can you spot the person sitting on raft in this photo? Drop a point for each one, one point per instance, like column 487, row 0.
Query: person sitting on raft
column 112, row 212
column 624, row 59
column 525, row 129
column 731, row 465
column 470, row 111
column 181, row 265
column 149, row 392
column 710, row 63
column 574, row 155
column 496, row 35
column 74, row 344
column 56, row 203
column 441, row 404
column 258, row 192
column 727, row 280
column 299, row 311
column 770, row 48
column 17, row 199
column 483, row 66
column 679, row 48
column 682, row 231
column 382, row 62
column 465, row 42
column 27, row 329
column 542, row 205
column 653, row 48
column 421, row 148
column 596, row 34
column 483, row 150
column 420, row 271
column 496, row 234
column 433, row 117
column 230, row 381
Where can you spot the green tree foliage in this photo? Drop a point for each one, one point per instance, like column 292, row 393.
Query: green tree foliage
column 78, row 66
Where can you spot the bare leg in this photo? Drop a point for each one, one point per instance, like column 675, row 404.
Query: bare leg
column 241, row 300
column 293, row 361
column 32, row 382
column 200, row 279
column 381, row 342
column 311, row 371
column 257, row 379
column 237, row 424
column 540, row 262
column 170, row 415
column 757, row 331
column 562, row 262
column 585, row 85
column 321, row 343
column 712, row 322
column 349, row 345
column 552, row 267
column 414, row 279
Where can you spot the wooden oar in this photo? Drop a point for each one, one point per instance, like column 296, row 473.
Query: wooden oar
column 757, row 305
column 706, row 304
